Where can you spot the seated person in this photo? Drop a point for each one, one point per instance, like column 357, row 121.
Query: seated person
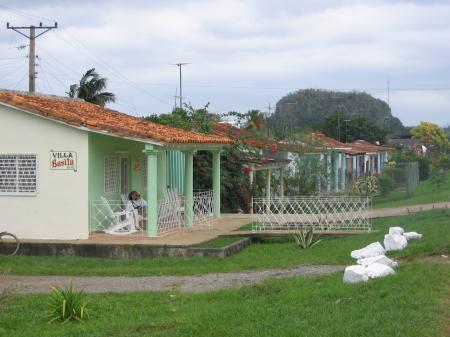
column 136, row 202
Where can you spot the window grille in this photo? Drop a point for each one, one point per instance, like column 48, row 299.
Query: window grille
column 111, row 175
column 18, row 174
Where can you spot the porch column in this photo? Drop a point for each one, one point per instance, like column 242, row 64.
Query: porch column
column 216, row 181
column 379, row 162
column 343, row 171
column 336, row 171
column 328, row 172
column 152, row 190
column 189, row 187
column 268, row 176
column 282, row 181
column 355, row 167
column 252, row 174
column 162, row 173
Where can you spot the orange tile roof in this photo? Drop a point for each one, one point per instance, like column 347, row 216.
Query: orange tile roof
column 96, row 118
column 247, row 137
column 364, row 146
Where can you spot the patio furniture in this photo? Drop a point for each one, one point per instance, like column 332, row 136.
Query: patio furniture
column 123, row 222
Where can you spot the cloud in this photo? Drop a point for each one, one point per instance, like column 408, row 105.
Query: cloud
column 243, row 54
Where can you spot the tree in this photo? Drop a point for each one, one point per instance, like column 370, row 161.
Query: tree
column 91, row 88
column 343, row 127
column 255, row 120
column 430, row 134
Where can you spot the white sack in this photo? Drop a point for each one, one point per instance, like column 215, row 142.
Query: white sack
column 396, row 230
column 374, row 249
column 412, row 235
column 379, row 270
column 355, row 274
column 394, row 242
column 377, row 259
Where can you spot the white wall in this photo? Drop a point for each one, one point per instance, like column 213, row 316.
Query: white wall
column 59, row 210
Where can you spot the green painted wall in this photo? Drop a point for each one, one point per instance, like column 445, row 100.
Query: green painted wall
column 101, row 146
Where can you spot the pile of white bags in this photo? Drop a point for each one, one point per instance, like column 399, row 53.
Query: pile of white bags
column 372, row 261
column 394, row 242
column 374, row 249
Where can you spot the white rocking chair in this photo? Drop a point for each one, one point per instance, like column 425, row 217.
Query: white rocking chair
column 123, row 222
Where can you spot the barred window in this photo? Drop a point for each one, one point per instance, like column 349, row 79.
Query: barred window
column 18, row 174
column 111, row 175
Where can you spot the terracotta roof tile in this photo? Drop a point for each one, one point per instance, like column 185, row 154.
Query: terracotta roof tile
column 94, row 117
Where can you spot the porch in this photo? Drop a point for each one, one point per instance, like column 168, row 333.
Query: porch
column 162, row 174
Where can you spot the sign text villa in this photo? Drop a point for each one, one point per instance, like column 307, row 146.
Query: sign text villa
column 63, row 160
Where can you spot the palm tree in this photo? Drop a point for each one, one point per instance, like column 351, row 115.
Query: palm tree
column 91, row 88
column 255, row 120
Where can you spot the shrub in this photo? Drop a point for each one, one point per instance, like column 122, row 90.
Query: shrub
column 424, row 168
column 385, row 184
column 67, row 304
column 364, row 186
column 438, row 176
column 305, row 239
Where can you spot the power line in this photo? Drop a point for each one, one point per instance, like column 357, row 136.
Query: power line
column 32, row 50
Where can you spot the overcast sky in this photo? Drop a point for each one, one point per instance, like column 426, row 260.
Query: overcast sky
column 242, row 54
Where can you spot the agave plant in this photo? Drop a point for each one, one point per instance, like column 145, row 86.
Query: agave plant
column 67, row 304
column 305, row 238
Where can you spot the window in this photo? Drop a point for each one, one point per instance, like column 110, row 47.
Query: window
column 111, row 175
column 18, row 174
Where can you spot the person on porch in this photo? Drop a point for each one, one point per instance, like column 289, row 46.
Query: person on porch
column 135, row 202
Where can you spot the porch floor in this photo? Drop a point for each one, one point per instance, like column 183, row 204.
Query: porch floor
column 181, row 237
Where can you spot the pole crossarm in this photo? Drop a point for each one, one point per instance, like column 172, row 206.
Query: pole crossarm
column 32, row 51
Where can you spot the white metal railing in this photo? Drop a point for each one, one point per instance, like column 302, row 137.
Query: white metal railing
column 322, row 213
column 171, row 214
column 203, row 208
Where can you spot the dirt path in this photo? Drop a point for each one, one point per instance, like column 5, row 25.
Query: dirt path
column 198, row 283
column 406, row 210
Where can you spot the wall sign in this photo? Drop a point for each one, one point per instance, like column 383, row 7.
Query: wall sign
column 63, row 160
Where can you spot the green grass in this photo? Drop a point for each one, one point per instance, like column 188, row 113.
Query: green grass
column 426, row 193
column 411, row 303
column 220, row 242
column 273, row 253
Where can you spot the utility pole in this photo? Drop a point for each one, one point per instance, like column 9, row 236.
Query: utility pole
column 180, row 65
column 32, row 53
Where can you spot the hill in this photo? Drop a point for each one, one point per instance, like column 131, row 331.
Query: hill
column 304, row 108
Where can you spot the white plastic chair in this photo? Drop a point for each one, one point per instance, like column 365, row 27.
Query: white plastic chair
column 123, row 222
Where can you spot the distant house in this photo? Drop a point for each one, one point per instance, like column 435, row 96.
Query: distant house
column 58, row 156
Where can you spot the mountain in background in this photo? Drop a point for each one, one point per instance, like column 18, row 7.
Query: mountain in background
column 305, row 108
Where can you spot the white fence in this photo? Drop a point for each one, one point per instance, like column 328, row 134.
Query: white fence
column 320, row 213
column 171, row 214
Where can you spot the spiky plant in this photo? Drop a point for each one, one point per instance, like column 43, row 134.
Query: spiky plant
column 304, row 239
column 67, row 304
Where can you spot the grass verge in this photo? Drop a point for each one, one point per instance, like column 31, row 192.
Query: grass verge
column 426, row 193
column 271, row 253
column 410, row 303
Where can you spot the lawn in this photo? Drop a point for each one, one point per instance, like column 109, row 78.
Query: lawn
column 412, row 303
column 220, row 242
column 426, row 193
column 272, row 253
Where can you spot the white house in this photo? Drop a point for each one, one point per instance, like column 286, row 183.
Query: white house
column 57, row 155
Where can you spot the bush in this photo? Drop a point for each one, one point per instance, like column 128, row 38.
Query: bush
column 385, row 184
column 364, row 186
column 67, row 304
column 438, row 176
column 424, row 168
